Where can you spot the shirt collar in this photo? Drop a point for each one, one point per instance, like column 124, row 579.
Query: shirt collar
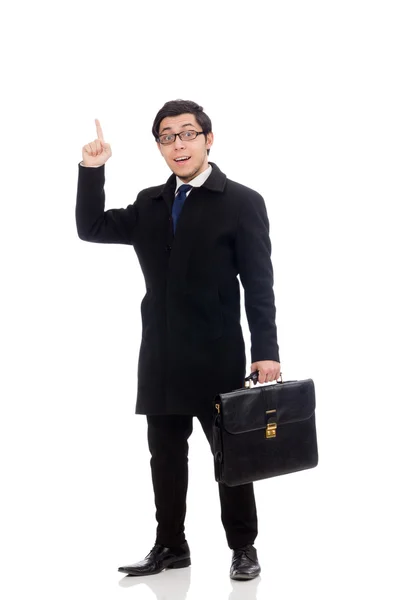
column 216, row 182
column 196, row 181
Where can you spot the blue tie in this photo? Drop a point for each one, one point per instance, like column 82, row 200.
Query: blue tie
column 178, row 202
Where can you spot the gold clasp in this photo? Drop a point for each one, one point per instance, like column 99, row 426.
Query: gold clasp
column 271, row 430
column 218, row 408
column 271, row 427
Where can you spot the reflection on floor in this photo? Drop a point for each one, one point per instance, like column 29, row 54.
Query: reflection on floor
column 174, row 585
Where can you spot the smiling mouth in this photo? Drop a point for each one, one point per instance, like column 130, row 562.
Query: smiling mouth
column 182, row 159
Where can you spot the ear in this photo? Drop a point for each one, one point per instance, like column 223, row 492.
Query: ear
column 210, row 140
column 160, row 148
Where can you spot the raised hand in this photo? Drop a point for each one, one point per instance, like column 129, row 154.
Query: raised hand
column 96, row 153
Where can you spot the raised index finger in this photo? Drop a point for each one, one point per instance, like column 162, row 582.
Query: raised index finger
column 99, row 131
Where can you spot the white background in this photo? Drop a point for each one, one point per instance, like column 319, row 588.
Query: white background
column 302, row 96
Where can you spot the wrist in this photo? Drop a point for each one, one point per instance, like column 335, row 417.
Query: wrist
column 90, row 166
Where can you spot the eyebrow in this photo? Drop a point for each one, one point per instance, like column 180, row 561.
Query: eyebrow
column 184, row 125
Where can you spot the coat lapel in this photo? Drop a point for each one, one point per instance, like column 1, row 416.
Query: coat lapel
column 190, row 224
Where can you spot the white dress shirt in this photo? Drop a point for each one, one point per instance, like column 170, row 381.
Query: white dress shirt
column 195, row 182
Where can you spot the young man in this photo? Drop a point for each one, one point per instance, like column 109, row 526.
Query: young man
column 193, row 236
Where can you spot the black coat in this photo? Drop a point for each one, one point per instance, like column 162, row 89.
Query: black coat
column 192, row 344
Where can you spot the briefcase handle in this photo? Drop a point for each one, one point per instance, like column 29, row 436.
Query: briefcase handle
column 253, row 377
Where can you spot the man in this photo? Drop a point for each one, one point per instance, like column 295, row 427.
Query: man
column 193, row 236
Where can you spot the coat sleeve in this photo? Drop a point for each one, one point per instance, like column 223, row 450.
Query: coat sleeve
column 253, row 250
column 94, row 224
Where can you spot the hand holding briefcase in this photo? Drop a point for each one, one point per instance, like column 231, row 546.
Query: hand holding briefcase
column 264, row 431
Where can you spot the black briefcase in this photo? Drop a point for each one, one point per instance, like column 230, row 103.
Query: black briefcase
column 264, row 431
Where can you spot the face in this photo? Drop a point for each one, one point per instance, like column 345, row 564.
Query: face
column 194, row 151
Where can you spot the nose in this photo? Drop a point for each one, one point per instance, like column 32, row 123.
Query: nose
column 179, row 144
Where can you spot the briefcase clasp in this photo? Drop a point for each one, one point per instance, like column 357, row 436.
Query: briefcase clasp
column 271, row 426
column 271, row 430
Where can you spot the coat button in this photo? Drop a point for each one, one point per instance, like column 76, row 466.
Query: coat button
column 168, row 248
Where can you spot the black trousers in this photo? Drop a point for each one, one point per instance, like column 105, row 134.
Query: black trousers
column 168, row 445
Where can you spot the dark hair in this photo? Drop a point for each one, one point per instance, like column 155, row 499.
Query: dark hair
column 179, row 107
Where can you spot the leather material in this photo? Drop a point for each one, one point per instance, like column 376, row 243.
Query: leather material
column 294, row 403
column 245, row 563
column 243, row 453
column 159, row 558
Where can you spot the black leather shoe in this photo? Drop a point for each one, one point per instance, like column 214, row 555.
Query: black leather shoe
column 160, row 558
column 245, row 563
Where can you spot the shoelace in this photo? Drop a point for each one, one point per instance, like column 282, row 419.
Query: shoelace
column 239, row 552
column 154, row 550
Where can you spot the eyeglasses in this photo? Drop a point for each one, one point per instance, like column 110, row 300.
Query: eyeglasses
column 184, row 136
